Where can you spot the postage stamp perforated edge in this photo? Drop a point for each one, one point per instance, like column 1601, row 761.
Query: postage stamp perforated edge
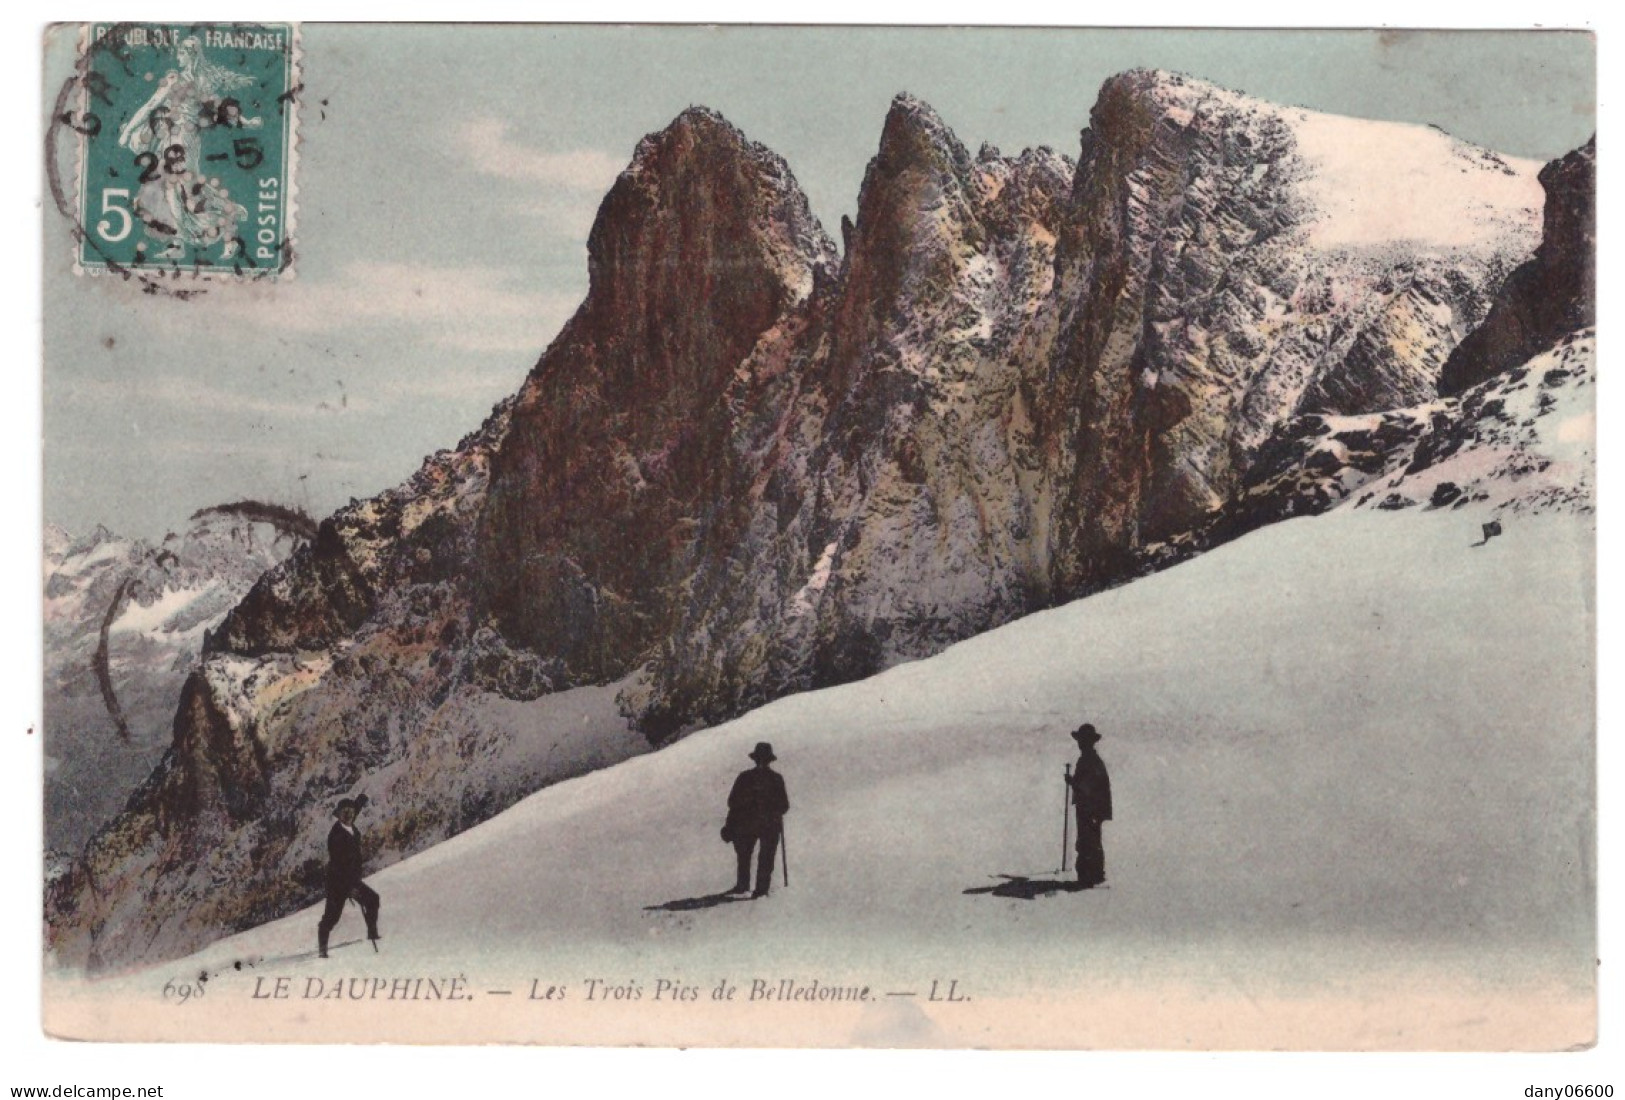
column 283, row 270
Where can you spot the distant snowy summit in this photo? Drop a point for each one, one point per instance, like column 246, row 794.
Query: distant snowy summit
column 752, row 464
column 1361, row 183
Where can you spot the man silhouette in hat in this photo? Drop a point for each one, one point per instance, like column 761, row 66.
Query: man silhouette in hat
column 756, row 808
column 1092, row 798
column 344, row 875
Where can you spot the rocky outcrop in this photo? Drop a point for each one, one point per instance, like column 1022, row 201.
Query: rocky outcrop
column 419, row 533
column 1553, row 294
column 1521, row 443
column 617, row 459
column 125, row 622
column 747, row 466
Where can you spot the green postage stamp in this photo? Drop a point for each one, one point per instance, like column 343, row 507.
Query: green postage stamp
column 186, row 136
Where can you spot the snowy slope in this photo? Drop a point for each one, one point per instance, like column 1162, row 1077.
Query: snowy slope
column 1351, row 757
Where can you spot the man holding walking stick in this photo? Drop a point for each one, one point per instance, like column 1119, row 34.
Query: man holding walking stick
column 756, row 808
column 1091, row 790
column 344, row 875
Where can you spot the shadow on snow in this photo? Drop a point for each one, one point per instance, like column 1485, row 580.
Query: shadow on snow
column 683, row 905
column 1027, row 889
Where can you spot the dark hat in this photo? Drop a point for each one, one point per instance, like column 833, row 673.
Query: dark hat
column 358, row 803
column 763, row 753
column 1085, row 735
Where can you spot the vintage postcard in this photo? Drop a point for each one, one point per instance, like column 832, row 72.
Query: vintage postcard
column 819, row 537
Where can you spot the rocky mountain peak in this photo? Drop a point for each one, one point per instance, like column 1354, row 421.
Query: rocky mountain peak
column 1257, row 260
column 697, row 131
column 736, row 202
column 57, row 540
column 1153, row 87
column 1571, row 189
column 704, row 246
column 701, row 146
column 1148, row 96
column 915, row 137
column 915, row 232
column 916, row 178
column 698, row 124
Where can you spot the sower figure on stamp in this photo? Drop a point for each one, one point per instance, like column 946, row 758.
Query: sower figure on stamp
column 179, row 203
column 344, row 875
column 1092, row 799
column 756, row 808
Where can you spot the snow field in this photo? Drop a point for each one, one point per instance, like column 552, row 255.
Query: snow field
column 1351, row 759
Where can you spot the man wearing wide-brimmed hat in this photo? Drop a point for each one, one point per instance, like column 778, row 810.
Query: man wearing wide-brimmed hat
column 756, row 808
column 1092, row 799
column 344, row 874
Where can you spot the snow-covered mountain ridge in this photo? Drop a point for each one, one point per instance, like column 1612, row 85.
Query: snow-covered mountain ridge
column 750, row 466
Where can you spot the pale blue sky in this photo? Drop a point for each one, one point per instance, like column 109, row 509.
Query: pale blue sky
column 445, row 197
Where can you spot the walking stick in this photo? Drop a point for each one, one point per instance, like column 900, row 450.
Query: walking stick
column 351, row 899
column 1066, row 816
column 784, row 843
